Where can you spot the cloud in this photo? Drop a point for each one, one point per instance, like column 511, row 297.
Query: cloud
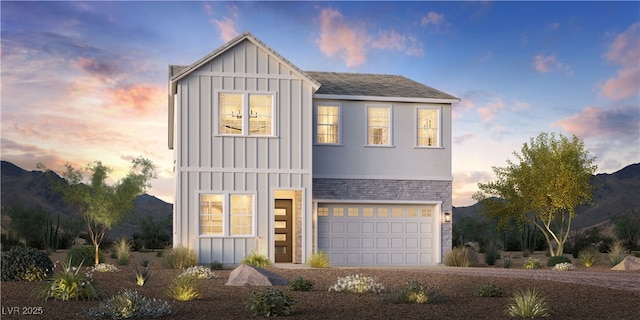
column 337, row 37
column 392, row 40
column 463, row 138
column 227, row 28
column 624, row 50
column 553, row 26
column 549, row 63
column 140, row 97
column 596, row 121
column 488, row 111
column 435, row 19
column 351, row 41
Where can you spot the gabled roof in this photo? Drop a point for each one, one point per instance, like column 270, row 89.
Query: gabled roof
column 375, row 87
column 178, row 72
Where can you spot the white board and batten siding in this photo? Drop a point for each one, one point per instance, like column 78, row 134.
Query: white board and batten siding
column 207, row 162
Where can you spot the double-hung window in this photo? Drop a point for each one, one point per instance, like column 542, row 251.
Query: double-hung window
column 245, row 114
column 379, row 125
column 327, row 122
column 428, row 127
column 226, row 214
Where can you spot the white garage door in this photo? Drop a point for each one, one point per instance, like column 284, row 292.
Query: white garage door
column 368, row 235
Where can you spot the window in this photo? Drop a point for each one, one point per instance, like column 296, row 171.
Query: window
column 226, row 215
column 236, row 117
column 428, row 123
column 378, row 126
column 328, row 124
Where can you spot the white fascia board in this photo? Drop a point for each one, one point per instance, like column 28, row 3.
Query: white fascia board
column 388, row 99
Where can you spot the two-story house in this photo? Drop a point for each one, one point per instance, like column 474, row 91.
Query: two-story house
column 274, row 159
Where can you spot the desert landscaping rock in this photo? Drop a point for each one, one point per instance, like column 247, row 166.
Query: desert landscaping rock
column 246, row 275
column 629, row 263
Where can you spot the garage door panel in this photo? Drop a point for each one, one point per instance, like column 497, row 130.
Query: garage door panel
column 400, row 235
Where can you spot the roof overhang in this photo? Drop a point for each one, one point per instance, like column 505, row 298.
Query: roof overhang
column 385, row 99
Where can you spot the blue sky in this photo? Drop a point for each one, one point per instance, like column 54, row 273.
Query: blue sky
column 85, row 81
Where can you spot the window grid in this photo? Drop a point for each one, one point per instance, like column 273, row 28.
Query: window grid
column 241, row 215
column 260, row 114
column 327, row 127
column 211, row 214
column 378, row 126
column 427, row 131
column 230, row 113
column 217, row 217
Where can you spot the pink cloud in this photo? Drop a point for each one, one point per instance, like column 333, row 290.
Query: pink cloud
column 625, row 51
column 141, row 98
column 549, row 63
column 488, row 112
column 435, row 19
column 226, row 27
column 596, row 121
column 338, row 37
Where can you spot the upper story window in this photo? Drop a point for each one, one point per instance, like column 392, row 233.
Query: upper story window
column 428, row 127
column 226, row 214
column 327, row 124
column 379, row 126
column 245, row 114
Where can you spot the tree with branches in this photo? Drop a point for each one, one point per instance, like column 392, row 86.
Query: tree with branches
column 544, row 188
column 102, row 206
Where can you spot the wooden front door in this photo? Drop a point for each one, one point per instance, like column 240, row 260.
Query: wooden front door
column 283, row 235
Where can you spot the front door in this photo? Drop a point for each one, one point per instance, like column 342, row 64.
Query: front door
column 283, row 234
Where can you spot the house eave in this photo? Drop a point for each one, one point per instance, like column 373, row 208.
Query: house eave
column 385, row 99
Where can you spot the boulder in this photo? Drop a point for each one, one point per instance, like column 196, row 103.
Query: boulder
column 246, row 275
column 629, row 263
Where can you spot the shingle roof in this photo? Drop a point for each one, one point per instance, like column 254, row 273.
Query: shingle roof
column 374, row 85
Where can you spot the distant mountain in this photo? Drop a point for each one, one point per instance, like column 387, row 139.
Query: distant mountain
column 30, row 189
column 616, row 194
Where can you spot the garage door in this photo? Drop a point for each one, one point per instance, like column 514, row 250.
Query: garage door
column 367, row 235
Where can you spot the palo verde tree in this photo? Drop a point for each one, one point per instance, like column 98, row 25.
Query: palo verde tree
column 101, row 205
column 551, row 179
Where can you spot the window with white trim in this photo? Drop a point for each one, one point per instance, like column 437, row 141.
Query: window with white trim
column 226, row 214
column 327, row 124
column 428, row 127
column 379, row 126
column 245, row 114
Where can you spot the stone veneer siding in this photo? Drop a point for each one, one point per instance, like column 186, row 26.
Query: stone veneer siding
column 392, row 190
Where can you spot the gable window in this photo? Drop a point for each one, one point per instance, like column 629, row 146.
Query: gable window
column 428, row 127
column 328, row 124
column 226, row 214
column 378, row 126
column 245, row 114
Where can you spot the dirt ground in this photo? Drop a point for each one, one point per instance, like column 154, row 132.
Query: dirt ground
column 217, row 301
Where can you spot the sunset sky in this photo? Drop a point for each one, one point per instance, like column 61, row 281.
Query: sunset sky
column 85, row 81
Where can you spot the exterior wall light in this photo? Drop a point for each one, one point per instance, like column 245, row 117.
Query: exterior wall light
column 447, row 217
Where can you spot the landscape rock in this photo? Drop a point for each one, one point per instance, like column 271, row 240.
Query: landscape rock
column 629, row 263
column 246, row 275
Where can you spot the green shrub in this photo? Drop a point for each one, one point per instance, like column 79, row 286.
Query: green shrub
column 84, row 255
column 637, row 254
column 414, row 292
column 25, row 264
column 528, row 304
column 491, row 253
column 319, row 259
column 183, row 289
column 461, row 257
column 180, row 258
column 301, row 284
column 271, row 302
column 532, row 263
column 141, row 275
column 130, row 304
column 256, row 259
column 198, row 272
column 216, row 265
column 617, row 252
column 589, row 256
column 489, row 290
column 506, row 262
column 68, row 284
column 357, row 284
column 122, row 249
column 552, row 261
